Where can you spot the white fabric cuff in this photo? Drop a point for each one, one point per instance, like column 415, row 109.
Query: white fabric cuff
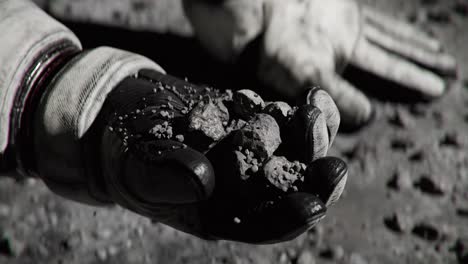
column 27, row 32
column 67, row 110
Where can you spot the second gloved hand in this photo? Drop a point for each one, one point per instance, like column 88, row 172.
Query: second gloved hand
column 304, row 42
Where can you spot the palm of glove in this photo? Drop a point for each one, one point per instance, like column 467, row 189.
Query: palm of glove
column 310, row 42
column 171, row 153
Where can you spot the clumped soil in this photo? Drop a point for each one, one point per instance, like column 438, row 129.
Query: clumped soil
column 406, row 200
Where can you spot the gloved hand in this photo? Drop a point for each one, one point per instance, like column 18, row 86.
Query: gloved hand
column 156, row 164
column 305, row 42
column 106, row 126
column 112, row 127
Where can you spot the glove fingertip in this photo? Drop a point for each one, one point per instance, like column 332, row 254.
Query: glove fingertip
column 327, row 178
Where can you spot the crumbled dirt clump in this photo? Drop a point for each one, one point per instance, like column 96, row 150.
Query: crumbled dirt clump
column 283, row 174
column 246, row 163
column 162, row 131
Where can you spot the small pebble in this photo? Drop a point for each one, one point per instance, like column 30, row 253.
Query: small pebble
column 180, row 138
column 254, row 168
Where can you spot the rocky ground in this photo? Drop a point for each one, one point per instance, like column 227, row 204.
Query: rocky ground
column 406, row 200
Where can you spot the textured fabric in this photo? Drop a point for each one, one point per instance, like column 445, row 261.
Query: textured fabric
column 26, row 32
column 67, row 110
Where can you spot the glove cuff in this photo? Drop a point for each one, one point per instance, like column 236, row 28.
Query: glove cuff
column 31, row 45
column 65, row 116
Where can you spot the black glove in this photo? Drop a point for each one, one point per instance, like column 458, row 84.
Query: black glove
column 159, row 163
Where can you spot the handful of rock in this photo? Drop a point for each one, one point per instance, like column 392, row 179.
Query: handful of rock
column 259, row 138
column 221, row 164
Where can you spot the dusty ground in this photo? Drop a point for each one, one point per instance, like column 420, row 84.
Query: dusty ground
column 406, row 200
